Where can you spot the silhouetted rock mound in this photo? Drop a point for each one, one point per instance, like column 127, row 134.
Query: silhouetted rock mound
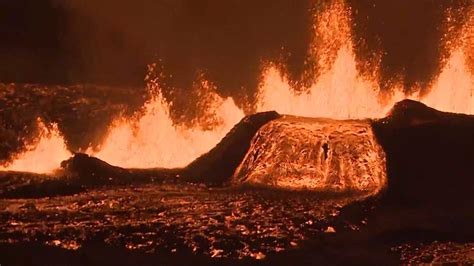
column 218, row 165
column 430, row 168
column 430, row 154
column 91, row 170
column 409, row 113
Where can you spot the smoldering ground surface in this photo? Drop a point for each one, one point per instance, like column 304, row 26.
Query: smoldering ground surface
column 424, row 214
column 171, row 224
column 171, row 218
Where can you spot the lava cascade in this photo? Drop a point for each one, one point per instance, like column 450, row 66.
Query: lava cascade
column 315, row 154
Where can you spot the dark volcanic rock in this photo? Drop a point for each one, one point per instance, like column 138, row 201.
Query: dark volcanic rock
column 78, row 173
column 92, row 168
column 214, row 167
column 430, row 154
column 219, row 164
column 430, row 169
column 30, row 185
column 93, row 171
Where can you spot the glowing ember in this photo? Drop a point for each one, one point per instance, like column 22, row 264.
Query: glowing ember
column 45, row 156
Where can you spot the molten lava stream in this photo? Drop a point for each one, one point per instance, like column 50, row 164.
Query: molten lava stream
column 315, row 154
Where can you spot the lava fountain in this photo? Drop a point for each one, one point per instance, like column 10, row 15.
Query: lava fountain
column 452, row 91
column 340, row 91
column 155, row 141
column 45, row 155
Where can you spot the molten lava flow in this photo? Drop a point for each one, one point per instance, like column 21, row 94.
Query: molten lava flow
column 155, row 141
column 45, row 156
column 317, row 154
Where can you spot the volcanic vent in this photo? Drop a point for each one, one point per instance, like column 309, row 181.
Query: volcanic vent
column 315, row 154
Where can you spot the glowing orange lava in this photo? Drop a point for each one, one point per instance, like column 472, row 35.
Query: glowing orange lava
column 154, row 141
column 45, row 156
column 453, row 89
column 340, row 91
column 315, row 154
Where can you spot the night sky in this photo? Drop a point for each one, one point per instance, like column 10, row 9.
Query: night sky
column 110, row 42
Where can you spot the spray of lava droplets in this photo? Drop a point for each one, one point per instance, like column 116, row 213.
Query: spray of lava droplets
column 340, row 91
column 154, row 140
column 452, row 91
